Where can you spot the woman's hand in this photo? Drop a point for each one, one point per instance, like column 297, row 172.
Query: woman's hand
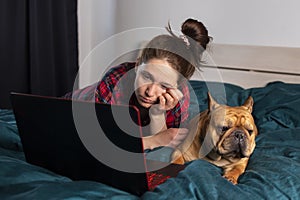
column 167, row 101
column 171, row 137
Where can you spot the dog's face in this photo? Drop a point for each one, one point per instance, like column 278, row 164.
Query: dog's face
column 230, row 132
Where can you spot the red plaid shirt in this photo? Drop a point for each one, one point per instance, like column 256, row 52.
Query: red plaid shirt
column 108, row 90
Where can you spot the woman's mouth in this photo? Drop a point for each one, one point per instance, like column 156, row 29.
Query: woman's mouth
column 146, row 100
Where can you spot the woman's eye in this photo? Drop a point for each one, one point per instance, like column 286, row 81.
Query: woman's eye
column 164, row 87
column 146, row 76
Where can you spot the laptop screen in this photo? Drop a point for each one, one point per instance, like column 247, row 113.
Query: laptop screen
column 52, row 139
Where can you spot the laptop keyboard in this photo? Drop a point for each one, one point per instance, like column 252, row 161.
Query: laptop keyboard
column 154, row 179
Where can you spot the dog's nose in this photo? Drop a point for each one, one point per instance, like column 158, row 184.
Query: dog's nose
column 239, row 135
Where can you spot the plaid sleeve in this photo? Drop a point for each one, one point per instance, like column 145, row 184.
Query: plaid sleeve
column 179, row 115
column 106, row 91
column 86, row 93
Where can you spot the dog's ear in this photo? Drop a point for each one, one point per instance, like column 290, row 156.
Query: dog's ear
column 249, row 104
column 212, row 104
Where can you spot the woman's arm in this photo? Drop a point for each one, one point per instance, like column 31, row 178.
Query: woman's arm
column 157, row 112
column 157, row 120
column 171, row 137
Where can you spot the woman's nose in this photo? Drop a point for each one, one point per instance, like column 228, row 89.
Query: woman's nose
column 153, row 89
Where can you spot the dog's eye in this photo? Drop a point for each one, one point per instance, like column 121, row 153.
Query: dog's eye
column 250, row 132
column 223, row 129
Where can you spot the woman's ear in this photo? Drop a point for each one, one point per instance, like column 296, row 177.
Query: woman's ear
column 137, row 63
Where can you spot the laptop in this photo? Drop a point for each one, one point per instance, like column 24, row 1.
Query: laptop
column 88, row 141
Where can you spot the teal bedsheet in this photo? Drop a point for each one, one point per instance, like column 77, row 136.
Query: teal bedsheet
column 273, row 171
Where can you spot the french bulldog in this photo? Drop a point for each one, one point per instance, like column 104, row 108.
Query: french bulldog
column 222, row 135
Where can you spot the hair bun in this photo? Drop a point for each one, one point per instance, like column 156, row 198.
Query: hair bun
column 197, row 31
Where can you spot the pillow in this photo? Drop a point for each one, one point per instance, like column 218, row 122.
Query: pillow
column 276, row 105
column 9, row 137
column 223, row 93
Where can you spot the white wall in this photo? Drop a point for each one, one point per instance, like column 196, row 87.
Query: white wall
column 96, row 23
column 255, row 22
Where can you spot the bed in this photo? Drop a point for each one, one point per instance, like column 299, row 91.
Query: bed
column 273, row 171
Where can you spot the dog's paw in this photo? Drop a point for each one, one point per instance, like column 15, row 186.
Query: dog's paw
column 179, row 161
column 232, row 179
column 177, row 158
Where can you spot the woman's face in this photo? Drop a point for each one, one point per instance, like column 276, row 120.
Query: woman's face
column 153, row 80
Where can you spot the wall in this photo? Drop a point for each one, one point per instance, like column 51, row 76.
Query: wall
column 96, row 19
column 255, row 22
column 258, row 22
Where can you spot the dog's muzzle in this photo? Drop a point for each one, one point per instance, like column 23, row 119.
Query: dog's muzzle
column 236, row 144
column 239, row 136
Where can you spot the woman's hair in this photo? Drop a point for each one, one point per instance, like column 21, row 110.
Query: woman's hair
column 183, row 52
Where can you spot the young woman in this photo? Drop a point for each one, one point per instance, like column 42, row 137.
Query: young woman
column 157, row 83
